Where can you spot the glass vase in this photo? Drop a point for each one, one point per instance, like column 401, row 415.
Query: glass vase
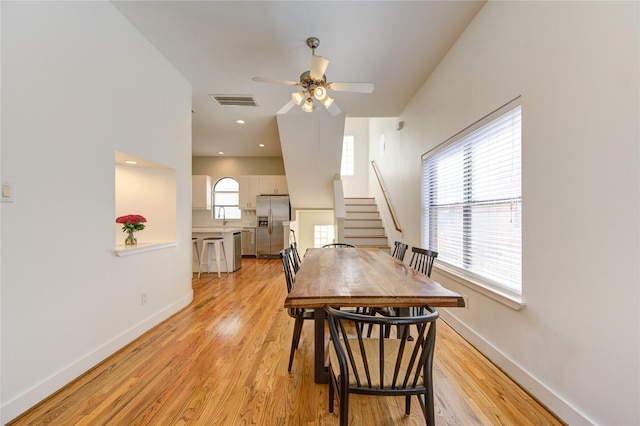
column 130, row 241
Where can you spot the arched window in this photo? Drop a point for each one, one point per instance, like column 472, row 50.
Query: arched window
column 226, row 199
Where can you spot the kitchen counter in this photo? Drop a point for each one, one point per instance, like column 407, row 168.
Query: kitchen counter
column 216, row 229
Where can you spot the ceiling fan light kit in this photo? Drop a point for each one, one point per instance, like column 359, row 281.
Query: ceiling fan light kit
column 320, row 93
column 298, row 97
column 314, row 84
column 308, row 105
column 327, row 102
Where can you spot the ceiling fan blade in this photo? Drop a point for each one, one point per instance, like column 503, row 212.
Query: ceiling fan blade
column 351, row 87
column 334, row 109
column 318, row 67
column 285, row 109
column 270, row 80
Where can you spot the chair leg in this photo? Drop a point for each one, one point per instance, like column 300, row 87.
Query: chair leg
column 407, row 405
column 295, row 339
column 429, row 409
column 344, row 403
column 291, row 354
column 331, row 392
column 297, row 330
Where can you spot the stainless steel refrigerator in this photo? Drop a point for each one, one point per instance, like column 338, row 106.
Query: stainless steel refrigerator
column 271, row 211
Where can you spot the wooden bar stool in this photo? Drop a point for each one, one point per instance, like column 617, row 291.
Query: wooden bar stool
column 216, row 245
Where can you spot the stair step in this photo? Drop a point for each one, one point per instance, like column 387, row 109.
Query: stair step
column 352, row 222
column 361, row 207
column 360, row 200
column 363, row 227
column 362, row 215
column 363, row 230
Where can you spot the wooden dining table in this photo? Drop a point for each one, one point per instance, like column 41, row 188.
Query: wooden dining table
column 359, row 277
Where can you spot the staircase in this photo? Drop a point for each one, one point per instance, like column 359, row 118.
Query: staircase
column 363, row 226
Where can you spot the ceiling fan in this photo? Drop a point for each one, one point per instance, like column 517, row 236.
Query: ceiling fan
column 315, row 86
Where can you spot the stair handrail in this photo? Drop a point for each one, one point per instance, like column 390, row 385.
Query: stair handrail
column 386, row 198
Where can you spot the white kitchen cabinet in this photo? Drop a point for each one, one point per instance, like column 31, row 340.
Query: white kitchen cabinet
column 274, row 184
column 249, row 190
column 281, row 185
column 201, row 192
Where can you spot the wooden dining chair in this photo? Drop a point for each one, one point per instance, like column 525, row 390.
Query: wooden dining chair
column 298, row 314
column 295, row 256
column 422, row 260
column 380, row 365
column 399, row 250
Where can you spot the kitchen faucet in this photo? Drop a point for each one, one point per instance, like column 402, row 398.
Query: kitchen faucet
column 224, row 215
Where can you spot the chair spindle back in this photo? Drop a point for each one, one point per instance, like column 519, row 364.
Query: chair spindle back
column 399, row 250
column 422, row 260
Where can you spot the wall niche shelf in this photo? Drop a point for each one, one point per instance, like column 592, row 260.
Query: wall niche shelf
column 121, row 250
column 149, row 189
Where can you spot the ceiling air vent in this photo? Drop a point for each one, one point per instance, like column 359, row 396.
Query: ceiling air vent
column 234, row 100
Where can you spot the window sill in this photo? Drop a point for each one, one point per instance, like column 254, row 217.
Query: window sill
column 121, row 250
column 514, row 302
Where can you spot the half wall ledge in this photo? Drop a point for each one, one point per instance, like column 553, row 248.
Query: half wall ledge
column 121, row 250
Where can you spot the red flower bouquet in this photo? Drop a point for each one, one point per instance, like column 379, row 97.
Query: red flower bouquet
column 131, row 222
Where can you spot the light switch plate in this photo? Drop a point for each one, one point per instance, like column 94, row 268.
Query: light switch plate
column 7, row 192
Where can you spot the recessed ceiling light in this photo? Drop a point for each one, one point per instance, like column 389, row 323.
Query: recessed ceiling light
column 131, row 162
column 240, row 121
column 220, row 153
column 261, row 145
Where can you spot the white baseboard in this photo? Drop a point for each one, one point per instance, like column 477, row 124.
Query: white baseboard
column 21, row 403
column 560, row 407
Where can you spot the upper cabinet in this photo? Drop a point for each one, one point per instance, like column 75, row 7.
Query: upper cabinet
column 252, row 186
column 273, row 185
column 201, row 192
column 249, row 190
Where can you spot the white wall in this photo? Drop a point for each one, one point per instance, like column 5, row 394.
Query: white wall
column 78, row 84
column 219, row 167
column 576, row 344
column 396, row 162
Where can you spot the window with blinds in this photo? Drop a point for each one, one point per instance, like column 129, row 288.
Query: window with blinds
column 472, row 201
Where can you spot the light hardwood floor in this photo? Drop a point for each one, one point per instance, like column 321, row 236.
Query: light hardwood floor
column 223, row 361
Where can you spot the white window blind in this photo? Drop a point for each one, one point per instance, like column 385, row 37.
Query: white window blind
column 472, row 201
